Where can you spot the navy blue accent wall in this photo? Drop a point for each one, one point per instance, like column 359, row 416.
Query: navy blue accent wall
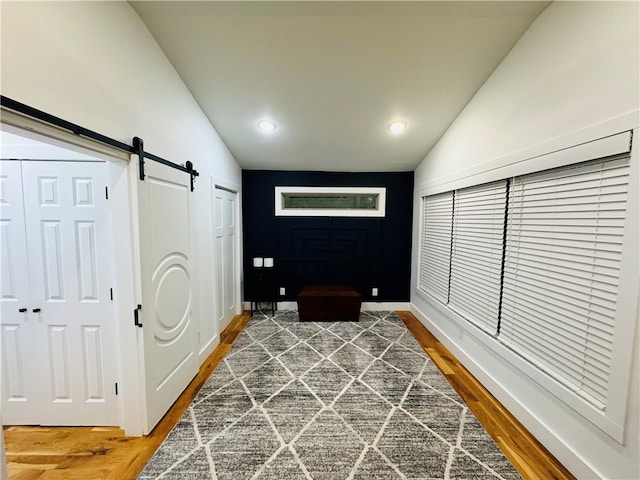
column 363, row 252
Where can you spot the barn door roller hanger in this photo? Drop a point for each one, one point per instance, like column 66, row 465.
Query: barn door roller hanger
column 138, row 146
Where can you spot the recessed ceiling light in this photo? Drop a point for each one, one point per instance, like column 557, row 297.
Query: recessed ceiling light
column 397, row 126
column 266, row 126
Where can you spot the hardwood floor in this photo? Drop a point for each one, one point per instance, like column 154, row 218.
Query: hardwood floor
column 531, row 458
column 102, row 453
column 105, row 453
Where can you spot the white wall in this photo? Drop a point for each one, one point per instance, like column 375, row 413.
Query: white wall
column 575, row 67
column 97, row 65
column 573, row 77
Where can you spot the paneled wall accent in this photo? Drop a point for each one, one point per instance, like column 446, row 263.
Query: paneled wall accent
column 363, row 252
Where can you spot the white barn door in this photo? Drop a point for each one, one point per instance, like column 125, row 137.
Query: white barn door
column 170, row 354
column 58, row 365
column 225, row 233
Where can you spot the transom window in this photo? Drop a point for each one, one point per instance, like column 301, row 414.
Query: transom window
column 330, row 201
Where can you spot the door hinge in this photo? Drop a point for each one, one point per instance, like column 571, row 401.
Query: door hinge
column 106, row 193
column 136, row 319
column 116, row 388
column 111, row 293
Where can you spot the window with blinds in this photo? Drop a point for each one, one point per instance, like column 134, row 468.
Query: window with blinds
column 563, row 257
column 476, row 258
column 435, row 252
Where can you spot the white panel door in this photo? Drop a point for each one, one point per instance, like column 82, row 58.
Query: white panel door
column 170, row 352
column 70, row 342
column 68, row 237
column 20, row 394
column 225, row 256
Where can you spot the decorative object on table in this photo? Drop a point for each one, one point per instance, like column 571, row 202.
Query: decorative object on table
column 262, row 283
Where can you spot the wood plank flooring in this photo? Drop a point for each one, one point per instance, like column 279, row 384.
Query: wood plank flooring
column 530, row 457
column 102, row 453
column 105, row 453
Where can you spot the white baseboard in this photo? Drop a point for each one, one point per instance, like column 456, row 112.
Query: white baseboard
column 287, row 305
column 385, row 306
column 366, row 306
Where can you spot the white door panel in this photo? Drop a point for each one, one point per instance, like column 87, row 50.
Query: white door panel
column 230, row 255
column 71, row 336
column 218, row 264
column 20, row 395
column 170, row 354
column 67, row 235
column 226, row 256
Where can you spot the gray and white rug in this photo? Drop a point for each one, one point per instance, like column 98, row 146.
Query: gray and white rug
column 327, row 401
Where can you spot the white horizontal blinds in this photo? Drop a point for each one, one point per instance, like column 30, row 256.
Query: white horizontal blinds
column 436, row 245
column 476, row 259
column 563, row 253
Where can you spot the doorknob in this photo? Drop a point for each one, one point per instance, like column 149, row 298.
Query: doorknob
column 22, row 310
column 35, row 310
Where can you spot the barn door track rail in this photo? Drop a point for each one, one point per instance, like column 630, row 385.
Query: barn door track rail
column 139, row 150
column 136, row 148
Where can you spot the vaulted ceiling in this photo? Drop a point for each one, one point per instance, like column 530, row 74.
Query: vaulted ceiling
column 333, row 75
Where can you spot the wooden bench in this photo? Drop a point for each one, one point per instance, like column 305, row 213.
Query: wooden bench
column 324, row 303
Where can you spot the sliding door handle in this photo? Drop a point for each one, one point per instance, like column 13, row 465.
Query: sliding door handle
column 22, row 310
column 136, row 318
column 36, row 310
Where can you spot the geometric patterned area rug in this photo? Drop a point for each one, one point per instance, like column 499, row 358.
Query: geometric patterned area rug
column 327, row 401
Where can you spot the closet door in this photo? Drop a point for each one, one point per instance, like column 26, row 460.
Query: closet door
column 68, row 349
column 20, row 339
column 67, row 235
column 224, row 212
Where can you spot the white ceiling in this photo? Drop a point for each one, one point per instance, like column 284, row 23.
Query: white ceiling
column 334, row 74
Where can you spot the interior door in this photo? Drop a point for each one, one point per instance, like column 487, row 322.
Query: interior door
column 68, row 240
column 170, row 352
column 20, row 394
column 68, row 346
column 225, row 256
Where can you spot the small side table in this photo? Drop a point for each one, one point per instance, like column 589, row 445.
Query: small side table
column 263, row 287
